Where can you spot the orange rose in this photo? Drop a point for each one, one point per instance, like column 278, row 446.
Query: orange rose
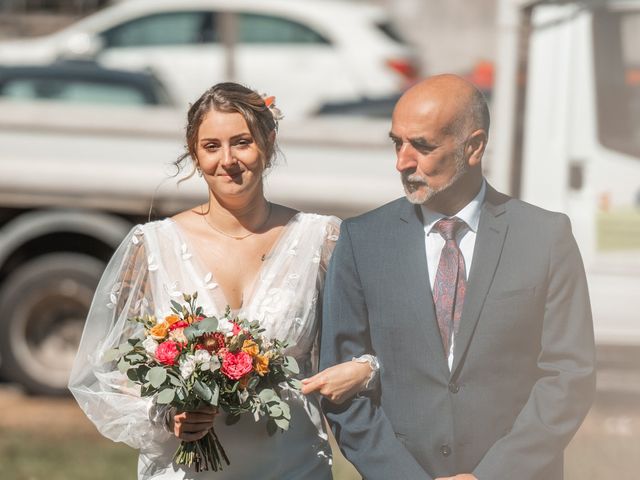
column 250, row 347
column 171, row 319
column 262, row 364
column 159, row 332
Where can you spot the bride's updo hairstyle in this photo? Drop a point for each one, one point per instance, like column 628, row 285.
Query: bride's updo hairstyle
column 230, row 97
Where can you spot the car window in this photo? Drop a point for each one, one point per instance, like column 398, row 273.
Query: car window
column 174, row 28
column 390, row 31
column 253, row 28
column 73, row 91
column 617, row 66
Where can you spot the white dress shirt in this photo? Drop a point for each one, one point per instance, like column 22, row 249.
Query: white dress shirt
column 465, row 238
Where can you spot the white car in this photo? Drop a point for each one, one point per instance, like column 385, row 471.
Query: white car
column 305, row 53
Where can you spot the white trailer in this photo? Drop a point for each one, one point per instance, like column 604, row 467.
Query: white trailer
column 566, row 137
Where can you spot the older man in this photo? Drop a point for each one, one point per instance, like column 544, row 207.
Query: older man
column 474, row 303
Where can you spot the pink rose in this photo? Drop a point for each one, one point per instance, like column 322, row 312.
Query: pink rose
column 236, row 329
column 167, row 352
column 236, row 365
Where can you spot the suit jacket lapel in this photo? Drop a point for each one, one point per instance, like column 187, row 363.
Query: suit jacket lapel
column 413, row 262
column 486, row 255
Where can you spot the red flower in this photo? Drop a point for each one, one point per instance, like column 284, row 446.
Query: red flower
column 180, row 324
column 236, row 329
column 213, row 341
column 236, row 365
column 167, row 352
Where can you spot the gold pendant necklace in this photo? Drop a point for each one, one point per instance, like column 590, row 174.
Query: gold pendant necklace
column 240, row 237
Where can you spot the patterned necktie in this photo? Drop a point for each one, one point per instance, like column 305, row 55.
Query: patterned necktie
column 451, row 283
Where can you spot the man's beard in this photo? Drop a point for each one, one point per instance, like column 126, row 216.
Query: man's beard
column 417, row 189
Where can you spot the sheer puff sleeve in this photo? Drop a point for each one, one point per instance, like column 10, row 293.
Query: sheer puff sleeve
column 331, row 234
column 108, row 397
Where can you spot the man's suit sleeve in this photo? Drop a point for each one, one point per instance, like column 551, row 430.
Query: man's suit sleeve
column 560, row 399
column 363, row 431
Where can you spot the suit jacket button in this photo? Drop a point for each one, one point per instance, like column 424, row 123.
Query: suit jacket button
column 454, row 387
column 445, row 450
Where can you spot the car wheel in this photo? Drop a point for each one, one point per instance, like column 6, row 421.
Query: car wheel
column 43, row 305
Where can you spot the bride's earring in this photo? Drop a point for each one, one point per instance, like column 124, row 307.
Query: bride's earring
column 199, row 170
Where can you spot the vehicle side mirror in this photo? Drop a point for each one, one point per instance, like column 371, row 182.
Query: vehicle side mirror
column 81, row 46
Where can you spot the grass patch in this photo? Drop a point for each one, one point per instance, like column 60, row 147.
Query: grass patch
column 606, row 447
column 30, row 456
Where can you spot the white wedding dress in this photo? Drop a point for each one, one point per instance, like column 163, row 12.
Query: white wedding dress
column 156, row 264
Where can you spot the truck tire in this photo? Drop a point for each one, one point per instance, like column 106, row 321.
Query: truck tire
column 43, row 305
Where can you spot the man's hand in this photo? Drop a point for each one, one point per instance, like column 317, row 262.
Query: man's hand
column 461, row 476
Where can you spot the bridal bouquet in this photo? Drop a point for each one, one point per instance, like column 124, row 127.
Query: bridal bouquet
column 189, row 360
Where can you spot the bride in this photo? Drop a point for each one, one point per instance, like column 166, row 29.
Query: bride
column 266, row 261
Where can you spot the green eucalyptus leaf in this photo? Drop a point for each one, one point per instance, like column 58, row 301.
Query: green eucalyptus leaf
column 282, row 423
column 111, row 355
column 268, row 395
column 166, row 396
column 176, row 305
column 175, row 381
column 208, row 325
column 123, row 365
column 275, row 411
column 202, row 391
column 197, row 329
column 215, row 393
column 292, row 365
column 286, row 411
column 295, row 383
column 125, row 348
column 132, row 373
column 135, row 358
column 157, row 376
column 253, row 383
column 192, row 333
column 182, row 394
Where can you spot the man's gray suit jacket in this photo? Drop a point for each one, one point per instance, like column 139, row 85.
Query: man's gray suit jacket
column 523, row 373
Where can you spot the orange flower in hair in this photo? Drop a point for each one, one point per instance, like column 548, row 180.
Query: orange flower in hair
column 270, row 103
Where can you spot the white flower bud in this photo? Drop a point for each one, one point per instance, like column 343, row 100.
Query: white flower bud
column 150, row 345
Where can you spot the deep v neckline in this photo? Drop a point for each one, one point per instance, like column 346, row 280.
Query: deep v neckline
column 206, row 275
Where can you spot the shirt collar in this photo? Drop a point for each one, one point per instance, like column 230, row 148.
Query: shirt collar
column 470, row 214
